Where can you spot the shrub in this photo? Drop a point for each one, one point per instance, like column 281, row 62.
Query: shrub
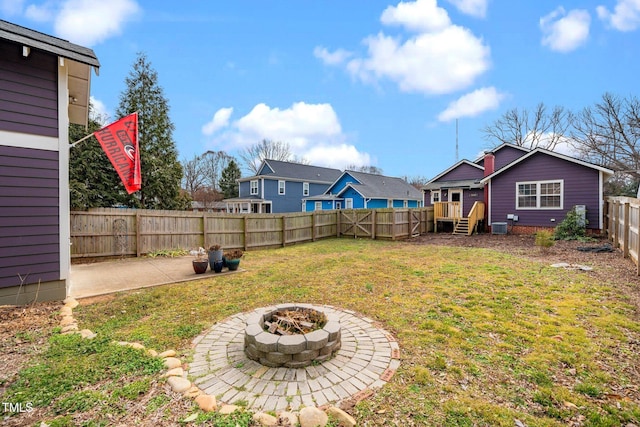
column 572, row 227
column 544, row 239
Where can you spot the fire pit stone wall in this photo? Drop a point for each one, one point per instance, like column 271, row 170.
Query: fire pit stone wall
column 290, row 351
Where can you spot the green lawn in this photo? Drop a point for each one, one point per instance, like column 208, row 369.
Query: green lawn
column 486, row 338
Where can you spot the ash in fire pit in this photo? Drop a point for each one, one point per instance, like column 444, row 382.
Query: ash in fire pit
column 293, row 336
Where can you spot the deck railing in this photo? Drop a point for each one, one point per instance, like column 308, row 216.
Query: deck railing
column 476, row 214
column 446, row 211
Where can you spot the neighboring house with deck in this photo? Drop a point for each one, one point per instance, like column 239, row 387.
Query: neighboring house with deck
column 360, row 190
column 280, row 187
column 44, row 85
column 524, row 189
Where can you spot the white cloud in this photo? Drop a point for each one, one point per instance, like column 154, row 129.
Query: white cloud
column 625, row 17
column 430, row 63
column 472, row 104
column 220, row 120
column 312, row 131
column 564, row 32
column 477, row 8
column 331, row 58
column 421, row 15
column 440, row 58
column 99, row 111
column 87, row 22
column 41, row 13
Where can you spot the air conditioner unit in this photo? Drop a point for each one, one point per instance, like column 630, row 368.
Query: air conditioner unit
column 498, row 228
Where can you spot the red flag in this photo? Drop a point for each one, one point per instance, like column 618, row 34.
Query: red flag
column 119, row 140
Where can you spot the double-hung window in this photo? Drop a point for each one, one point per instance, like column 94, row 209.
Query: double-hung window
column 253, row 187
column 435, row 196
column 539, row 195
column 281, row 187
column 305, row 189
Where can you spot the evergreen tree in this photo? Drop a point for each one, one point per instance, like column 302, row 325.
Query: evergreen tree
column 229, row 180
column 93, row 182
column 161, row 170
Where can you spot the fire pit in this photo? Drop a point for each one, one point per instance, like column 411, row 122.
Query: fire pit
column 291, row 335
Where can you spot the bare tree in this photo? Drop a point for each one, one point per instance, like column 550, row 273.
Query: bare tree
column 417, row 181
column 213, row 163
column 266, row 149
column 192, row 175
column 530, row 129
column 367, row 169
column 608, row 134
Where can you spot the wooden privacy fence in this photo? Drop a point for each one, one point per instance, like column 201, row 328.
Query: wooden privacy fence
column 132, row 232
column 623, row 226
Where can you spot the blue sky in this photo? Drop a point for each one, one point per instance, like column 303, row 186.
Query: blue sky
column 357, row 82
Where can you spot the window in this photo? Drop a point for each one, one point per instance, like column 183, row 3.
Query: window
column 389, row 203
column 305, row 188
column 254, row 187
column 318, row 206
column 539, row 195
column 435, row 196
column 338, row 205
column 348, row 203
column 405, row 204
column 281, row 186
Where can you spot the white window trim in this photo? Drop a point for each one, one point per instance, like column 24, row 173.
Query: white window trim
column 389, row 203
column 305, row 188
column 282, row 187
column 317, row 206
column 348, row 203
column 537, row 183
column 434, row 192
column 253, row 187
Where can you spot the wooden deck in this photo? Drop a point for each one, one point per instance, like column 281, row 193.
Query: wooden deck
column 452, row 212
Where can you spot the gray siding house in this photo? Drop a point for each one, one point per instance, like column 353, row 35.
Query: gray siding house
column 528, row 189
column 44, row 86
column 279, row 187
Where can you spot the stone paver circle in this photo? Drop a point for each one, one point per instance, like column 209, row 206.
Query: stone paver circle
column 366, row 360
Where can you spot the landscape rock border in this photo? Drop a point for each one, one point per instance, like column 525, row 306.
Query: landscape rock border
column 178, row 381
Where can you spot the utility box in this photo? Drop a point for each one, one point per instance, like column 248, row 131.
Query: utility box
column 498, row 228
column 581, row 213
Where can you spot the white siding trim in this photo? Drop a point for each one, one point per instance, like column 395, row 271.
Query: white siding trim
column 63, row 168
column 25, row 140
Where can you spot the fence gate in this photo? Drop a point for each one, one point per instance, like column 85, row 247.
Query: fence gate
column 357, row 223
column 415, row 222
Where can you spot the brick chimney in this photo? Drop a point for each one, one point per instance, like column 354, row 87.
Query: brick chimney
column 489, row 168
column 489, row 163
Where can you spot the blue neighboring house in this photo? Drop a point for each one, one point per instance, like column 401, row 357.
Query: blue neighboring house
column 279, row 187
column 359, row 190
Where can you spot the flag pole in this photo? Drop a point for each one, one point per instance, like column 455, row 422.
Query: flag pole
column 80, row 140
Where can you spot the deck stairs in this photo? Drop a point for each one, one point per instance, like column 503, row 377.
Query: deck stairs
column 462, row 227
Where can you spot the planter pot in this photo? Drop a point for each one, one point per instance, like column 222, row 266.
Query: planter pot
column 217, row 266
column 215, row 256
column 233, row 264
column 200, row 266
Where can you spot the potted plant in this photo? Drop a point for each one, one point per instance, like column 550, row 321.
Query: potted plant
column 200, row 263
column 232, row 258
column 215, row 258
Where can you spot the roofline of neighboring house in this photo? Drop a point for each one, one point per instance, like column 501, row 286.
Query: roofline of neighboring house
column 47, row 43
column 550, row 153
column 282, row 178
column 394, row 197
column 463, row 161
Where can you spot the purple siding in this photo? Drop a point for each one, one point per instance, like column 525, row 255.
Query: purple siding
column 29, row 216
column 28, row 91
column 581, row 187
column 504, row 156
column 463, row 171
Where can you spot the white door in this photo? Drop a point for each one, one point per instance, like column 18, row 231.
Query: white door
column 456, row 196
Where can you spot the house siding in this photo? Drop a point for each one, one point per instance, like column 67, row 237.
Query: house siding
column 29, row 216
column 581, row 186
column 28, row 91
column 463, row 171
